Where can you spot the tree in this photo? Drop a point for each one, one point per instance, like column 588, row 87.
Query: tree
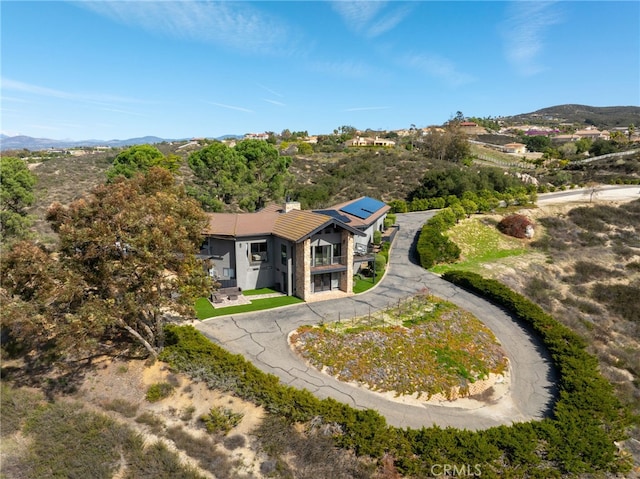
column 537, row 143
column 222, row 170
column 16, row 194
column 125, row 260
column 268, row 172
column 140, row 158
column 602, row 147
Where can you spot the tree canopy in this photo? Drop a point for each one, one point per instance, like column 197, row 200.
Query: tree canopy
column 442, row 182
column 448, row 145
column 125, row 261
column 16, row 194
column 140, row 158
column 250, row 174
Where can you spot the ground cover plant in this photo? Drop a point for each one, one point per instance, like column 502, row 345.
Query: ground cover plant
column 440, row 348
column 480, row 243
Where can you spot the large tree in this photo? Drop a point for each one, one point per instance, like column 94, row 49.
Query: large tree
column 268, row 171
column 125, row 263
column 222, row 173
column 140, row 158
column 448, row 144
column 16, row 194
column 250, row 174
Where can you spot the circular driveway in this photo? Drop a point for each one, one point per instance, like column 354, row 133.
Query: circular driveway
column 261, row 337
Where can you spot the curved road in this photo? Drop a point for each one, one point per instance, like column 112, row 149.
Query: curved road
column 261, row 337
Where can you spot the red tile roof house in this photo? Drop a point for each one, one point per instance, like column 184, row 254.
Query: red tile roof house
column 301, row 253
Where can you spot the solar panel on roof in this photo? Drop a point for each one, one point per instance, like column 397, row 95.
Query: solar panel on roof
column 363, row 208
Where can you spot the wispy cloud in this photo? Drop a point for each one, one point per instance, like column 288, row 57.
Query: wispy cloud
column 523, row 34
column 371, row 18
column 367, row 108
column 231, row 107
column 274, row 102
column 126, row 112
column 439, row 67
column 237, row 25
column 273, row 92
column 8, row 84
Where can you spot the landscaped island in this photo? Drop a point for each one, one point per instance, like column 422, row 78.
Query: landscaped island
column 424, row 347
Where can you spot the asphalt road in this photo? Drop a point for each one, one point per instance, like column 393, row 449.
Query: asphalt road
column 261, row 337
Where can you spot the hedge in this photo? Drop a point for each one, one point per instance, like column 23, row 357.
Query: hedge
column 579, row 438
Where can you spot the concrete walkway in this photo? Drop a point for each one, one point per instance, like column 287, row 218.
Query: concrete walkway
column 261, row 337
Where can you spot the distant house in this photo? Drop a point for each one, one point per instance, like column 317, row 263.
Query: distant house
column 515, row 148
column 367, row 141
column 593, row 134
column 256, row 136
column 298, row 252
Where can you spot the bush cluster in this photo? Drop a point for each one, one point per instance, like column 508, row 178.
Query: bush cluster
column 579, row 438
column 433, row 246
column 515, row 225
column 588, row 418
column 159, row 391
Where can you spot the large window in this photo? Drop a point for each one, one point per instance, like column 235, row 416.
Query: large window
column 325, row 282
column 258, row 252
column 283, row 254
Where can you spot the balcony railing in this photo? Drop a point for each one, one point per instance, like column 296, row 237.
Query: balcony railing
column 323, row 261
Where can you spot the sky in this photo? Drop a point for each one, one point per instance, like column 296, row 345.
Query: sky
column 182, row 69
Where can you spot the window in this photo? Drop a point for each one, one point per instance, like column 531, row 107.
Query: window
column 283, row 254
column 229, row 273
column 258, row 252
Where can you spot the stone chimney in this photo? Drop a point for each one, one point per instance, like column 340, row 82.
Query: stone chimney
column 291, row 205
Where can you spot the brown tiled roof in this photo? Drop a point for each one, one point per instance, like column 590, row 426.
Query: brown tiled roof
column 295, row 225
column 298, row 224
column 241, row 224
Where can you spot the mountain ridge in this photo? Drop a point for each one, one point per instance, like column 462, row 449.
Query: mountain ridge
column 606, row 117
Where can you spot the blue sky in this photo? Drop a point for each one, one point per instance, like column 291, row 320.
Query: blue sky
column 106, row 70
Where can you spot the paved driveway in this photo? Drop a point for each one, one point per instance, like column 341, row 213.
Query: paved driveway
column 261, row 337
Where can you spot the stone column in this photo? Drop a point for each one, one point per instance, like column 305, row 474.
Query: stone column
column 303, row 269
column 346, row 278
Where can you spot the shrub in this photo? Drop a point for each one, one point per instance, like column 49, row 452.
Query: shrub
column 221, row 420
column 518, row 226
column 159, row 391
column 121, row 406
column 377, row 237
column 433, row 246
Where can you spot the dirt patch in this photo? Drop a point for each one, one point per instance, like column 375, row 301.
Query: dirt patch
column 129, row 381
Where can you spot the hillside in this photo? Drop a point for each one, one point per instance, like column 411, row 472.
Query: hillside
column 606, row 117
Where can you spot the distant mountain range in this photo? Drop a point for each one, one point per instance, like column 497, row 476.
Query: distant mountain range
column 606, row 117
column 603, row 117
column 22, row 142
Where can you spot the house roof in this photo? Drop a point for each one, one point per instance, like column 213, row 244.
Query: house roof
column 296, row 225
column 241, row 224
column 349, row 211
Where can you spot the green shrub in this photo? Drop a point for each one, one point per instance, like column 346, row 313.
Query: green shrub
column 221, row 420
column 377, row 237
column 159, row 391
column 433, row 246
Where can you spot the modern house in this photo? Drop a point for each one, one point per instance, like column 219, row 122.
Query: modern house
column 300, row 253
column 367, row 141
